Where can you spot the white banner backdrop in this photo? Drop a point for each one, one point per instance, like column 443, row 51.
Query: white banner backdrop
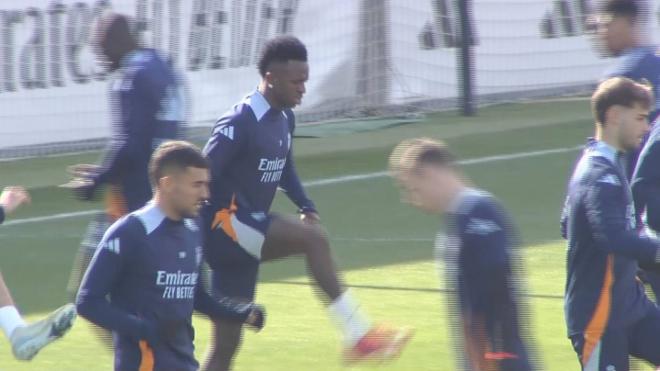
column 399, row 51
column 514, row 50
column 51, row 89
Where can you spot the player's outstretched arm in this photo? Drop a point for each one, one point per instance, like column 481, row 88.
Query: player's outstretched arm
column 609, row 220
column 292, row 186
column 251, row 314
column 11, row 198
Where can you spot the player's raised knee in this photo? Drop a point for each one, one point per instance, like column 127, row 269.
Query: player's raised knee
column 315, row 237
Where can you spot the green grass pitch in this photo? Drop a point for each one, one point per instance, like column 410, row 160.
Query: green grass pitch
column 385, row 249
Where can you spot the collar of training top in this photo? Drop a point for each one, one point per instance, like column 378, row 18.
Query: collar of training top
column 457, row 202
column 152, row 216
column 133, row 57
column 602, row 149
column 258, row 103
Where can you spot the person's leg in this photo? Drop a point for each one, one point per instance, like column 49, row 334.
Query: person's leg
column 267, row 238
column 235, row 276
column 93, row 236
column 225, row 341
column 28, row 339
column 287, row 236
column 10, row 319
column 608, row 351
column 91, row 239
column 645, row 338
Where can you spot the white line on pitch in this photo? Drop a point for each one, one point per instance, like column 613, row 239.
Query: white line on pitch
column 381, row 239
column 473, row 161
column 327, row 181
column 38, row 219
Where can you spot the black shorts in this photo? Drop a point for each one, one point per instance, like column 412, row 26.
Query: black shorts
column 232, row 249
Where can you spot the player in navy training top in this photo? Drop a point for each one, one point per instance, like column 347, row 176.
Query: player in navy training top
column 147, row 106
column 144, row 282
column 250, row 151
column 608, row 315
column 479, row 253
column 620, row 26
column 620, row 31
column 27, row 339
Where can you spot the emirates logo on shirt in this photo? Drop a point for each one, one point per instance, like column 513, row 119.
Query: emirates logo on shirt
column 271, row 169
column 177, row 285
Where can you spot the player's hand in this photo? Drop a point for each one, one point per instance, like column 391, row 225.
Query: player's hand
column 13, row 197
column 83, row 170
column 162, row 331
column 83, row 188
column 169, row 330
column 257, row 318
column 82, row 185
column 310, row 217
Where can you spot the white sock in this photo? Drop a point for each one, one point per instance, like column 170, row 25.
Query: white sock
column 10, row 320
column 347, row 315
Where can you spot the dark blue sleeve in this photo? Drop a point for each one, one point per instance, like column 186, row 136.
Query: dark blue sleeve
column 103, row 275
column 2, row 215
column 220, row 309
column 290, row 183
column 487, row 267
column 606, row 212
column 646, row 184
column 225, row 143
column 133, row 105
column 485, row 248
column 292, row 186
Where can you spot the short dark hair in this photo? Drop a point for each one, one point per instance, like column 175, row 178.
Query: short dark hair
column 622, row 8
column 281, row 49
column 175, row 155
column 413, row 153
column 619, row 91
column 117, row 28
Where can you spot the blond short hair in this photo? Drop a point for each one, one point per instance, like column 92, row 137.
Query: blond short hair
column 410, row 154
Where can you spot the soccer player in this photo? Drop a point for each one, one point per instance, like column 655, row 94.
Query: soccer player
column 608, row 314
column 250, row 155
column 27, row 339
column 478, row 251
column 621, row 33
column 620, row 30
column 143, row 282
column 147, row 106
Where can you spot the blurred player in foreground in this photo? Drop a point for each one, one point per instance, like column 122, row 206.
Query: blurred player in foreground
column 479, row 253
column 27, row 339
column 607, row 312
column 250, row 155
column 143, row 282
column 147, row 106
